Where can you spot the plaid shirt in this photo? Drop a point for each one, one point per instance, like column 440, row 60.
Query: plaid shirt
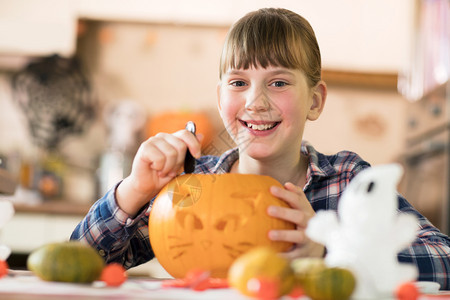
column 121, row 238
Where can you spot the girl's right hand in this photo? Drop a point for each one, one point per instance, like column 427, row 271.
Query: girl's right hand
column 158, row 160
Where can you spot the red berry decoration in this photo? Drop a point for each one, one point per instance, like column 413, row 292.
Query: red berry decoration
column 264, row 288
column 296, row 292
column 174, row 283
column 407, row 291
column 114, row 274
column 3, row 268
column 197, row 280
column 218, row 283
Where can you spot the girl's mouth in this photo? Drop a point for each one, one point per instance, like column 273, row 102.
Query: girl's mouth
column 260, row 126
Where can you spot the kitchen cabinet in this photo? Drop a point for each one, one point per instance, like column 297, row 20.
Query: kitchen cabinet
column 426, row 183
column 350, row 33
column 28, row 231
column 427, row 85
column 37, row 27
column 35, row 225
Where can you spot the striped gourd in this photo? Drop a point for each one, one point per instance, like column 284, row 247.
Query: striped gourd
column 330, row 284
column 67, row 262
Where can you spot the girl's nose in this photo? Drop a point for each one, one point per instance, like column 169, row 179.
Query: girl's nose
column 258, row 101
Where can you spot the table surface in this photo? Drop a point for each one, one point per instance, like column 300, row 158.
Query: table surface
column 20, row 286
column 30, row 287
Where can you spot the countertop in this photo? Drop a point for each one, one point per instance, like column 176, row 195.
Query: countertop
column 58, row 207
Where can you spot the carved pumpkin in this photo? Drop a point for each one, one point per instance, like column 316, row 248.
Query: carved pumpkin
column 173, row 121
column 207, row 221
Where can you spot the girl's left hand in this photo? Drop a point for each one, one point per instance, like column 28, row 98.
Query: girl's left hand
column 299, row 213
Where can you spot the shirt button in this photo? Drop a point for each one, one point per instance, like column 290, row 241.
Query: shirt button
column 129, row 221
column 101, row 252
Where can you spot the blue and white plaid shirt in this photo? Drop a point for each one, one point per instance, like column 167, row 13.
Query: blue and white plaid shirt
column 124, row 239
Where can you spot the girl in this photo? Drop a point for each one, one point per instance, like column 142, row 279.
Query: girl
column 270, row 86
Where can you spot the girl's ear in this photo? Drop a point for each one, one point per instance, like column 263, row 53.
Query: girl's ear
column 319, row 96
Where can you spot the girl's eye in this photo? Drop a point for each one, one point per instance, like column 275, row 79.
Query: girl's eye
column 279, row 83
column 238, row 83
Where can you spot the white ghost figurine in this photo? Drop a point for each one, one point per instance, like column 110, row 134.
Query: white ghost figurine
column 124, row 121
column 368, row 232
column 6, row 213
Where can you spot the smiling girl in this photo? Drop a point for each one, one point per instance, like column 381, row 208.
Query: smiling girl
column 269, row 87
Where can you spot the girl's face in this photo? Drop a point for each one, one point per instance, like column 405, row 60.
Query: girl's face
column 265, row 109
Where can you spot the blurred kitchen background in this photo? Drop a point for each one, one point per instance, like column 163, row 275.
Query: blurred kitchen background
column 83, row 82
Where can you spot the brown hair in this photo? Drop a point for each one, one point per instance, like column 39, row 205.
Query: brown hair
column 272, row 36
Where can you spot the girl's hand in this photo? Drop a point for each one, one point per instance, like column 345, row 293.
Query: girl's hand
column 299, row 213
column 158, row 160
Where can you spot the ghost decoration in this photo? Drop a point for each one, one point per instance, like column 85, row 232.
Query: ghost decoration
column 367, row 233
column 6, row 213
column 125, row 120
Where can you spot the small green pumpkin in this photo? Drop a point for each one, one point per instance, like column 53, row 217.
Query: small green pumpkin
column 329, row 284
column 66, row 262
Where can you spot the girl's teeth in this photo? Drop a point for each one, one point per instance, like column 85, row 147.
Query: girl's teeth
column 260, row 126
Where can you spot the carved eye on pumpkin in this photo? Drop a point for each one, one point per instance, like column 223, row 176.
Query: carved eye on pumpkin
column 189, row 221
column 234, row 222
column 230, row 223
column 250, row 197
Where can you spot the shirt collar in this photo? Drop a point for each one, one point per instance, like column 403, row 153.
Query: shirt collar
column 318, row 166
column 226, row 161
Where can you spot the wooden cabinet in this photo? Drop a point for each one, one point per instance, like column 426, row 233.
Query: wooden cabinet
column 37, row 27
column 350, row 33
column 426, row 183
column 426, row 84
column 35, row 225
column 27, row 231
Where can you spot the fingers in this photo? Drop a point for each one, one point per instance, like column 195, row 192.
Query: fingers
column 298, row 238
column 293, row 236
column 303, row 246
column 291, row 194
column 299, row 211
column 295, row 216
column 309, row 250
column 191, row 141
column 165, row 152
column 162, row 152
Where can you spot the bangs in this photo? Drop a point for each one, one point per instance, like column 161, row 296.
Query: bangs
column 268, row 38
column 264, row 45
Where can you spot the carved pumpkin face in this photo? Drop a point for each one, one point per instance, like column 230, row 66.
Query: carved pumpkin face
column 207, row 221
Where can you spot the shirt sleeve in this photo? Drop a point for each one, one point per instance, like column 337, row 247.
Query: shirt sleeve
column 116, row 236
column 430, row 251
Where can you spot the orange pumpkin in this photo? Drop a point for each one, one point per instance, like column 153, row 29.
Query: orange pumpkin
column 175, row 120
column 206, row 221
